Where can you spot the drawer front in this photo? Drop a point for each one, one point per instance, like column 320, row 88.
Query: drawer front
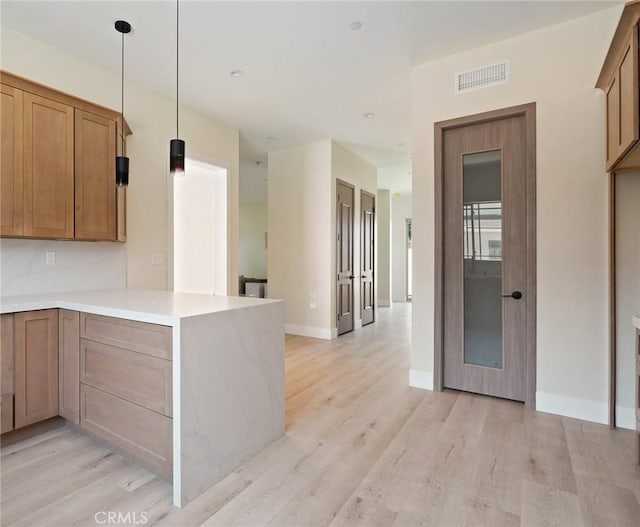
column 143, row 434
column 138, row 378
column 150, row 339
column 6, row 413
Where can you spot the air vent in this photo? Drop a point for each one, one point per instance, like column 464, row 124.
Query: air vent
column 482, row 77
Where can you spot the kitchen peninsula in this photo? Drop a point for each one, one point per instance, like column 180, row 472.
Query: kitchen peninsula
column 188, row 385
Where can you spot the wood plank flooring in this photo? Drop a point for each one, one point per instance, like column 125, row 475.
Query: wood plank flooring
column 361, row 449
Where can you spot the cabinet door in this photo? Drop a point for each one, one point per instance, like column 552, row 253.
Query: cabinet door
column 628, row 77
column 613, row 121
column 11, row 168
column 48, row 168
column 36, row 366
column 95, row 169
column 6, row 373
column 69, row 367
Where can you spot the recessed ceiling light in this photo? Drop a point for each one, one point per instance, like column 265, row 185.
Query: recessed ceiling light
column 369, row 115
column 237, row 73
column 354, row 26
column 272, row 139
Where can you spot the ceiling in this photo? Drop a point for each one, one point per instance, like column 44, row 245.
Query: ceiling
column 306, row 74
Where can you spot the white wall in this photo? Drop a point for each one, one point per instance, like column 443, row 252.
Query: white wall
column 301, row 259
column 400, row 212
column 151, row 117
column 299, row 266
column 627, row 292
column 200, row 226
column 555, row 67
column 350, row 168
column 383, row 220
column 252, row 255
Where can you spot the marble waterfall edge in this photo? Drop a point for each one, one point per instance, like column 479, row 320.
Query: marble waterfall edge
column 231, row 390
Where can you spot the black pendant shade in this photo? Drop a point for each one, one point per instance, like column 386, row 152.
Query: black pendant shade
column 177, row 146
column 176, row 157
column 122, row 162
column 122, row 171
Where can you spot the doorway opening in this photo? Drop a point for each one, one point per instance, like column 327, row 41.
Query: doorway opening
column 200, row 229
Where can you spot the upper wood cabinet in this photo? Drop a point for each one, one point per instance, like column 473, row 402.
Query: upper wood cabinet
column 619, row 80
column 48, row 168
column 58, row 165
column 95, row 168
column 11, row 191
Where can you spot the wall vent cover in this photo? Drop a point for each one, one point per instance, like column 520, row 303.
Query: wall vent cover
column 484, row 77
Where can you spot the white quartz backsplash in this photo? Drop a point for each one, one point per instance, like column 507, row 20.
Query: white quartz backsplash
column 78, row 266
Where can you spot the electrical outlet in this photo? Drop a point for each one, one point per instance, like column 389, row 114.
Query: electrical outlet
column 157, row 259
column 51, row 259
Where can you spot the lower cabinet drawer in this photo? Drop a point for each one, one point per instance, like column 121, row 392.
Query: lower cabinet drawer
column 6, row 413
column 136, row 377
column 145, row 435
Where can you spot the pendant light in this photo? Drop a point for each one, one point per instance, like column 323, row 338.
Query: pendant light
column 122, row 162
column 176, row 146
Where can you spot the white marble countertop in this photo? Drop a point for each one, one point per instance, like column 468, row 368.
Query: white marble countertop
column 144, row 305
column 636, row 321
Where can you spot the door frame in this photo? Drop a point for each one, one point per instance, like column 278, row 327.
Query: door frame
column 529, row 113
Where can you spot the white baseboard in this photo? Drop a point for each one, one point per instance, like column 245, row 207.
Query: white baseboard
column 421, row 379
column 384, row 303
column 626, row 417
column 594, row 411
column 309, row 331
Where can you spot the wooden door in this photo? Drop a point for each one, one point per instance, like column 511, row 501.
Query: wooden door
column 486, row 257
column 69, row 365
column 367, row 257
column 95, row 187
column 36, row 366
column 6, row 373
column 344, row 253
column 48, row 168
column 11, row 162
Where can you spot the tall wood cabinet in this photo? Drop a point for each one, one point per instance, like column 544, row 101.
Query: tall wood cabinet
column 58, row 165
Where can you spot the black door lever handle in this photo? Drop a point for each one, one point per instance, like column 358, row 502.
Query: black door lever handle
column 516, row 295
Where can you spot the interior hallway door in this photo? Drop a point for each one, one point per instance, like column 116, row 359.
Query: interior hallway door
column 344, row 257
column 487, row 257
column 367, row 257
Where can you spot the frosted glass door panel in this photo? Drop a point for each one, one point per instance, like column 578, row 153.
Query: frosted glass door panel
column 482, row 239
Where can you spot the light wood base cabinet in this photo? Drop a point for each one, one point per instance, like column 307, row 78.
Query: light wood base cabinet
column 126, row 388
column 36, row 366
column 132, row 429
column 6, row 373
column 69, row 367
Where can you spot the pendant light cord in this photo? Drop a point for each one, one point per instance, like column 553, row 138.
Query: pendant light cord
column 177, row 65
column 122, row 95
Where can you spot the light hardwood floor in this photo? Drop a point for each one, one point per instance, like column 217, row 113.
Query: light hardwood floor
column 361, row 449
